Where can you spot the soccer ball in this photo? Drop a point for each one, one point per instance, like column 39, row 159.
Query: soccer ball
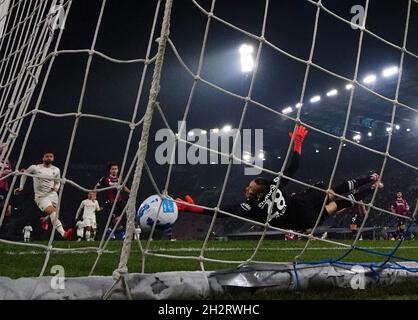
column 148, row 213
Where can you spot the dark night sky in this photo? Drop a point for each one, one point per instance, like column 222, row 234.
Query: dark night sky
column 112, row 88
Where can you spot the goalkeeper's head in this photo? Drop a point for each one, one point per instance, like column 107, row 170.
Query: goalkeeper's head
column 257, row 188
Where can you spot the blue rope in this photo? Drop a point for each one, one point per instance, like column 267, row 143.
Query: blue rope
column 372, row 266
column 296, row 276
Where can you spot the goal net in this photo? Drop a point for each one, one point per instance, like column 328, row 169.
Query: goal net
column 198, row 98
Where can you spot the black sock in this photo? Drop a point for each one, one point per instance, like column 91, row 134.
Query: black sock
column 343, row 204
column 351, row 185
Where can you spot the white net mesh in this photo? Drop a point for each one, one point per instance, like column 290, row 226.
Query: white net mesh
column 30, row 48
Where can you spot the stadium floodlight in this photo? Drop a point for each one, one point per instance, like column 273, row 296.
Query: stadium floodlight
column 227, row 128
column 246, row 156
column 316, row 99
column 298, row 105
column 215, row 130
column 408, row 130
column 344, row 145
column 370, row 79
column 262, row 155
column 287, row 110
column 388, row 129
column 398, row 127
column 203, row 132
column 357, row 137
column 370, row 134
column 316, row 151
column 191, row 133
column 280, row 158
column 247, row 60
column 332, row 93
column 330, row 148
column 349, row 86
column 389, row 72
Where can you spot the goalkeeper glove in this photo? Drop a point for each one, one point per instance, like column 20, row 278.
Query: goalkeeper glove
column 186, row 205
column 300, row 135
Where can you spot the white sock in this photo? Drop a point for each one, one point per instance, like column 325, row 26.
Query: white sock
column 87, row 235
column 57, row 223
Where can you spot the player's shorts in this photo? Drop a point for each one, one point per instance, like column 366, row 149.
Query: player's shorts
column 303, row 209
column 90, row 222
column 50, row 199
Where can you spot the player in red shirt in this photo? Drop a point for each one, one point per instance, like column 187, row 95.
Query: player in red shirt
column 401, row 207
column 113, row 180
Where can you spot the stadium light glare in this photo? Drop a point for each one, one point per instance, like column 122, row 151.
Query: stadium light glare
column 316, row 99
column 388, row 129
column 349, row 86
column 216, row 130
column 298, row 105
column 330, row 148
column 203, row 132
column 227, row 128
column 262, row 155
column 247, row 60
column 332, row 93
column 370, row 79
column 246, row 156
column 370, row 134
column 287, row 110
column 389, row 72
column 316, row 151
column 357, row 137
column 408, row 130
column 190, row 133
column 398, row 127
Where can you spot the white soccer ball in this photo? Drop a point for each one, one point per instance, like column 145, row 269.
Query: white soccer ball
column 153, row 209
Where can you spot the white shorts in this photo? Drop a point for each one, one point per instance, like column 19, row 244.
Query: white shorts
column 50, row 199
column 90, row 222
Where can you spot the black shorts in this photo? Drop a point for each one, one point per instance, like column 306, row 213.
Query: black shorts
column 303, row 209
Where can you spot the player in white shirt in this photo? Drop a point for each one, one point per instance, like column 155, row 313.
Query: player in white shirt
column 46, row 185
column 26, row 232
column 89, row 206
column 80, row 230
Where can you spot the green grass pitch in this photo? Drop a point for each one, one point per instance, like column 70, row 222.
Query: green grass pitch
column 19, row 261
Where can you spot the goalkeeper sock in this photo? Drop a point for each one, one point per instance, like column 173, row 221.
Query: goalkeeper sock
column 351, row 185
column 344, row 204
column 57, row 223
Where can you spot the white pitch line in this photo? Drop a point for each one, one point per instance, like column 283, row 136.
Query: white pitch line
column 14, row 253
column 271, row 249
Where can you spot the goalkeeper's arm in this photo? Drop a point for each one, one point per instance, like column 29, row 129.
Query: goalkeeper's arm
column 300, row 135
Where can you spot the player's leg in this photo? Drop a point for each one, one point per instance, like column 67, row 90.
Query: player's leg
column 80, row 232
column 351, row 185
column 93, row 229
column 338, row 205
column 88, row 233
column 48, row 205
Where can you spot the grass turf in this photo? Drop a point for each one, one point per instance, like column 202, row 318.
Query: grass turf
column 20, row 261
